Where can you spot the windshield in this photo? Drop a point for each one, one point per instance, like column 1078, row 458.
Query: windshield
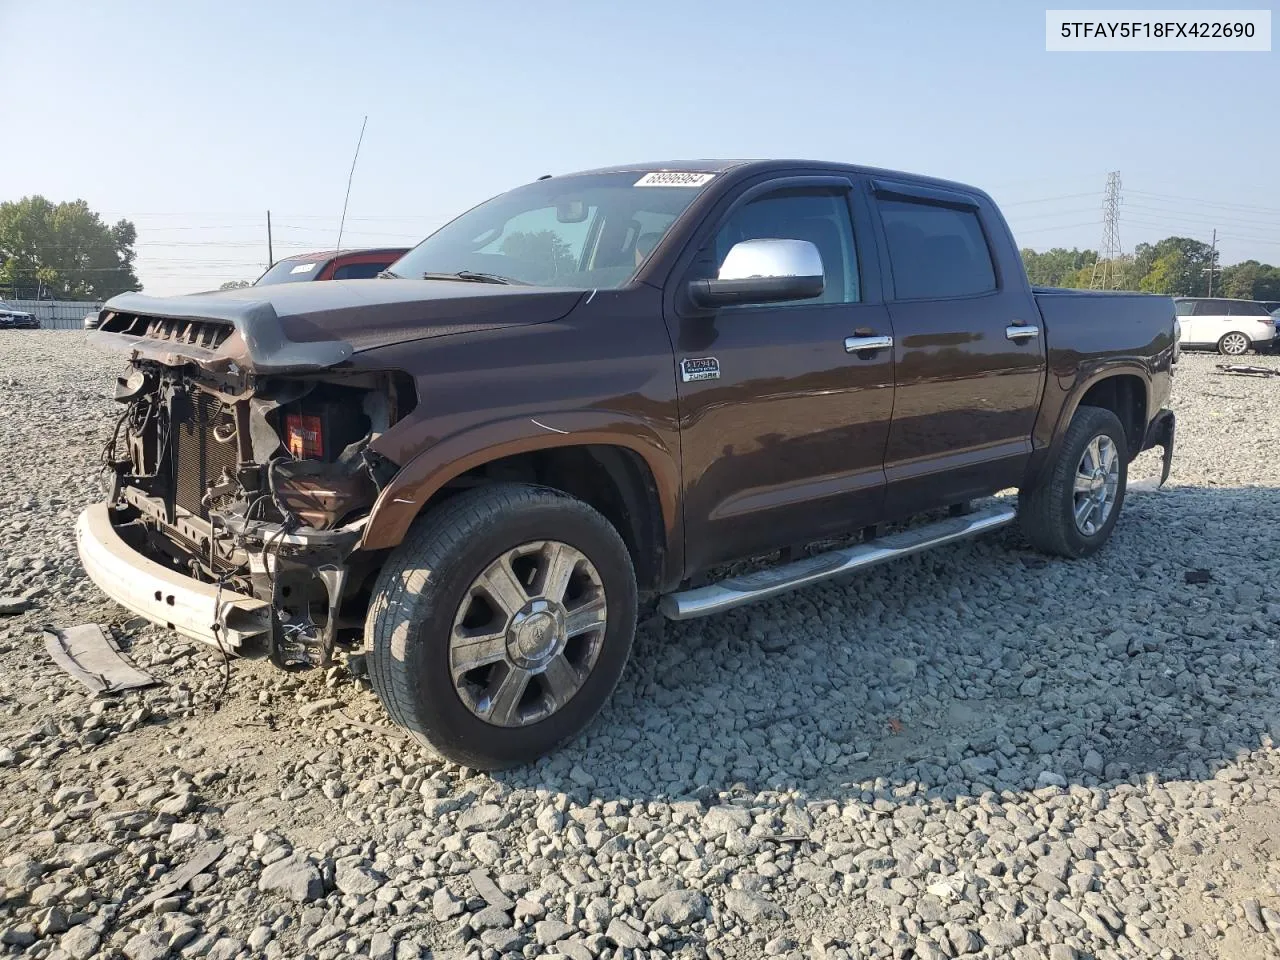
column 291, row 271
column 582, row 232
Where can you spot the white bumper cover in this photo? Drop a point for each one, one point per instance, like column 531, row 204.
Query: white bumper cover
column 160, row 594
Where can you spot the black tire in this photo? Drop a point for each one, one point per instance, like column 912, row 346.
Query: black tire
column 418, row 593
column 1234, row 344
column 1046, row 511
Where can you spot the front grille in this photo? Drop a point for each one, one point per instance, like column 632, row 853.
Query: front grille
column 199, row 457
column 209, row 334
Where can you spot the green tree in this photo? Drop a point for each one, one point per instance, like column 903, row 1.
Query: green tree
column 1249, row 280
column 1177, row 266
column 1057, row 267
column 1181, row 266
column 66, row 248
column 1169, row 274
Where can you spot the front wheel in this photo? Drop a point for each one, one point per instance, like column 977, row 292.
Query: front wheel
column 501, row 625
column 1072, row 510
column 1234, row 344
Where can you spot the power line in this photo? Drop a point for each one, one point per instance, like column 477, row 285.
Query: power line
column 1063, row 196
column 1207, row 203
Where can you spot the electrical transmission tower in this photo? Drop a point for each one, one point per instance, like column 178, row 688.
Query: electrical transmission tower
column 1104, row 268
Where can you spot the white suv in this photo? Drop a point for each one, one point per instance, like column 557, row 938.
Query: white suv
column 1231, row 326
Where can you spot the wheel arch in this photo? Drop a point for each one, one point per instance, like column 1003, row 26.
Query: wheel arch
column 1122, row 387
column 1125, row 394
column 622, row 468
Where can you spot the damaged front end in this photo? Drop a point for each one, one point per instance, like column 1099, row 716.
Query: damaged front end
column 241, row 465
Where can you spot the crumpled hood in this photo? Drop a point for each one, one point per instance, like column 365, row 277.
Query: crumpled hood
column 305, row 326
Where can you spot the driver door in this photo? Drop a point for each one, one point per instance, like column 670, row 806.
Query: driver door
column 783, row 429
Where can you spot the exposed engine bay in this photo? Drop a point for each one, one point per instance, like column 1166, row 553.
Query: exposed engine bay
column 259, row 484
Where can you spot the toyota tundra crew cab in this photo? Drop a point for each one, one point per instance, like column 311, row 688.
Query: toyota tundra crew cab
column 595, row 391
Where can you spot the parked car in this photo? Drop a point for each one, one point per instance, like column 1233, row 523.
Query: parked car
column 1273, row 308
column 11, row 318
column 597, row 389
column 1232, row 327
column 331, row 265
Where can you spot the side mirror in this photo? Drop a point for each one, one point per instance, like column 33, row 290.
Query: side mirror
column 763, row 271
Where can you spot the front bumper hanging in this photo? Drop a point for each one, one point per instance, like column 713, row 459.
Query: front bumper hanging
column 162, row 595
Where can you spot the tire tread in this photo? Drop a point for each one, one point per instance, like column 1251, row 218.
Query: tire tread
column 404, row 583
column 1039, row 508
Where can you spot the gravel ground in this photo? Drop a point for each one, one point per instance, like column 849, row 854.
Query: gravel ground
column 975, row 752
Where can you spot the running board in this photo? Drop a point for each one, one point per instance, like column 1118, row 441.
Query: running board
column 750, row 587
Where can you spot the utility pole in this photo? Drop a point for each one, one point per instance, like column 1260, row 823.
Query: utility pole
column 1213, row 259
column 271, row 260
column 1110, row 249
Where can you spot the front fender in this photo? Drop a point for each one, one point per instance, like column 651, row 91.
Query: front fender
column 401, row 500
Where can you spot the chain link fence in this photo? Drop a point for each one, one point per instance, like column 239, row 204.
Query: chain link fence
column 57, row 314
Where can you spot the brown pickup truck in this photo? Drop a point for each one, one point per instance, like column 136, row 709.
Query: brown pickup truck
column 594, row 391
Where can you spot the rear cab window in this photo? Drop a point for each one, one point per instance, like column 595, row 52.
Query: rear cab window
column 291, row 271
column 360, row 271
column 936, row 251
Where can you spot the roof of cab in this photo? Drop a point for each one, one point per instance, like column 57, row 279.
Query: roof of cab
column 747, row 167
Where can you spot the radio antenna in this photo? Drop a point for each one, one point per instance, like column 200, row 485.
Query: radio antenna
column 350, row 176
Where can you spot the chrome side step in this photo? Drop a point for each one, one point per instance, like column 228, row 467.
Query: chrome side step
column 738, row 591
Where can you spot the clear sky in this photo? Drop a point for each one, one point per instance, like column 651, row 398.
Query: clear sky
column 193, row 118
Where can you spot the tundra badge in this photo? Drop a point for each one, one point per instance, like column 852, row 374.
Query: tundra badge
column 699, row 368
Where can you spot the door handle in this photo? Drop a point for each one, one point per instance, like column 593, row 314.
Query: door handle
column 859, row 344
column 1020, row 331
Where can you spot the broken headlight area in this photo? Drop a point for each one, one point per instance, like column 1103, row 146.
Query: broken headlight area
column 260, row 485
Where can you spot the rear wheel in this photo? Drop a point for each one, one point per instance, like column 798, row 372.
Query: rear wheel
column 1074, row 507
column 1234, row 344
column 501, row 625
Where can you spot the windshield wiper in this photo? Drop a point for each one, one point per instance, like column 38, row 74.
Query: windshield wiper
column 388, row 275
column 473, row 275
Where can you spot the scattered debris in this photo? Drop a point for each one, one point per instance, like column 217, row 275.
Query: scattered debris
column 1198, row 576
column 179, row 878
column 13, row 605
column 1244, row 370
column 89, row 654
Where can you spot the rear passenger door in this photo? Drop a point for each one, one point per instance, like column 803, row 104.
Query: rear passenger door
column 970, row 354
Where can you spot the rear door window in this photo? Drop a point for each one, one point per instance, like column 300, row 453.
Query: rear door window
column 1184, row 307
column 1242, row 308
column 936, row 251
column 1212, row 308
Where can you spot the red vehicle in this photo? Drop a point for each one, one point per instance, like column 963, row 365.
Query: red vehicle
column 332, row 265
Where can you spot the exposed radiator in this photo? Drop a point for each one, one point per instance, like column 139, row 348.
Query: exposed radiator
column 200, row 458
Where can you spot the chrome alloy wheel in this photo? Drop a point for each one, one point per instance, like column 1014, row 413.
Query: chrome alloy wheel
column 527, row 633
column 1096, row 483
column 1235, row 344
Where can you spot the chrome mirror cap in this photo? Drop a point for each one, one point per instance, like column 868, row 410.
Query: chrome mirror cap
column 749, row 259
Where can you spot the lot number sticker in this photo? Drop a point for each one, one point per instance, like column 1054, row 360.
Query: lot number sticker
column 674, row 178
